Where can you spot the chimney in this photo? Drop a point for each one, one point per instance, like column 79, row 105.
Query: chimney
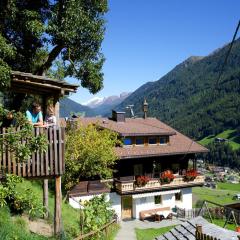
column 118, row 116
column 145, row 108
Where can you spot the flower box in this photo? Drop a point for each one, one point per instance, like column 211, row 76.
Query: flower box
column 141, row 181
column 190, row 175
column 166, row 177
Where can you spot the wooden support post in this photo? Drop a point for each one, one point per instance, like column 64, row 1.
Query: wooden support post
column 45, row 198
column 58, row 202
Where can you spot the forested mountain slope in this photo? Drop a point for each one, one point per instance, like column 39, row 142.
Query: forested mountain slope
column 68, row 107
column 188, row 99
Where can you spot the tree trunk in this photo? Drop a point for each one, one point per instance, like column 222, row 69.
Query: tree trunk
column 45, row 198
column 48, row 63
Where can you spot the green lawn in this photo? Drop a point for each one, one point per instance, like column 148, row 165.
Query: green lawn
column 221, row 222
column 230, row 134
column 223, row 195
column 229, row 186
column 151, row 233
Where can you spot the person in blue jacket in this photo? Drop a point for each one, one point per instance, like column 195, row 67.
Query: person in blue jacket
column 35, row 116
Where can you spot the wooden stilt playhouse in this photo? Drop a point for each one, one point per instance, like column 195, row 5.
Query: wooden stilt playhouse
column 51, row 163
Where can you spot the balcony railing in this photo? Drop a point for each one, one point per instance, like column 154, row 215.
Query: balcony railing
column 128, row 186
column 46, row 164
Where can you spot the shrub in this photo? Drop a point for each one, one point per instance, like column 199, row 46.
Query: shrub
column 95, row 214
column 19, row 199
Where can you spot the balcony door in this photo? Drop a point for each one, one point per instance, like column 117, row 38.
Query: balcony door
column 126, row 207
column 138, row 169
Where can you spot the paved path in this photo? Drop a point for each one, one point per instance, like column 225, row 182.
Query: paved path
column 127, row 231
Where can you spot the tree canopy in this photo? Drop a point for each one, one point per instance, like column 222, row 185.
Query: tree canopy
column 35, row 34
column 89, row 154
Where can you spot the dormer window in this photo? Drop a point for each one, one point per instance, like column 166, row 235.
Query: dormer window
column 152, row 140
column 163, row 140
column 139, row 141
column 127, row 141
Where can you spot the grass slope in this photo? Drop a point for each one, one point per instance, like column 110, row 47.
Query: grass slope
column 230, row 134
column 15, row 228
column 151, row 233
column 222, row 195
column 70, row 216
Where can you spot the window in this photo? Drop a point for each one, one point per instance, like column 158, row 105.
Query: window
column 158, row 199
column 152, row 140
column 178, row 196
column 139, row 141
column 163, row 140
column 127, row 141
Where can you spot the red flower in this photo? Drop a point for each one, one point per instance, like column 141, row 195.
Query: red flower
column 142, row 180
column 167, row 176
column 190, row 175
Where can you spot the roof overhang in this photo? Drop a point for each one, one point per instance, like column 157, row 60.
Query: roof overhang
column 150, row 155
column 147, row 134
column 41, row 85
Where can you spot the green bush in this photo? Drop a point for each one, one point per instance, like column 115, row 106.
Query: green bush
column 19, row 199
column 96, row 213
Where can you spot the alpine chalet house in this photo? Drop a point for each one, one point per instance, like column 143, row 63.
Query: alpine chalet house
column 155, row 172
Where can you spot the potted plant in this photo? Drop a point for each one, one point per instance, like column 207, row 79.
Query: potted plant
column 141, row 181
column 190, row 175
column 166, row 177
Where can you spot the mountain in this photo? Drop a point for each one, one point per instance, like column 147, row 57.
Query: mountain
column 68, row 106
column 190, row 99
column 93, row 102
column 103, row 106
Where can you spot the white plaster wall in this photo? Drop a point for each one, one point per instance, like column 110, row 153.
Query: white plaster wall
column 145, row 203
column 114, row 199
column 168, row 200
column 186, row 199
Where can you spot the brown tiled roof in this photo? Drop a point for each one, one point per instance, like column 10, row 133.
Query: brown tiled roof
column 132, row 126
column 88, row 188
column 178, row 144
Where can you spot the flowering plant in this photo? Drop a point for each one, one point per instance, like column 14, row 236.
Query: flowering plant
column 142, row 181
column 190, row 175
column 166, row 176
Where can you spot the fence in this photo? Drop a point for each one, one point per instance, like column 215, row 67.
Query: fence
column 46, row 164
column 105, row 228
column 202, row 236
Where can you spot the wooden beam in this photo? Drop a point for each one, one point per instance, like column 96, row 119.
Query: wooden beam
column 58, row 203
column 45, row 198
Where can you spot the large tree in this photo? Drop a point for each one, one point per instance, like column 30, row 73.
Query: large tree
column 34, row 34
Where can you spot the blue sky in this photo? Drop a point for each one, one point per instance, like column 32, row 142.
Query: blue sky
column 146, row 38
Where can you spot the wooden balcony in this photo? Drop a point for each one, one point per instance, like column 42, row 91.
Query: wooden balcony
column 129, row 186
column 41, row 165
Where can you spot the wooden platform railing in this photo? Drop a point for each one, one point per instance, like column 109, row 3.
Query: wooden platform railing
column 41, row 164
